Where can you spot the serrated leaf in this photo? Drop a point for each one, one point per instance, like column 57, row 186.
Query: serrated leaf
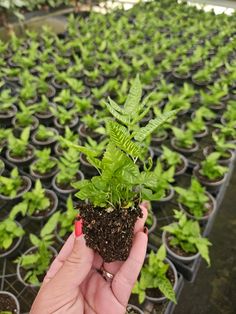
column 119, row 116
column 134, row 97
column 153, row 125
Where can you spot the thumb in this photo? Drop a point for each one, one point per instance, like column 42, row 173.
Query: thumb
column 75, row 267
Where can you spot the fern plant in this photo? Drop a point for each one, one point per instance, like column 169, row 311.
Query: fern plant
column 10, row 186
column 44, row 163
column 210, row 167
column 154, row 276
column 9, row 231
column 18, row 146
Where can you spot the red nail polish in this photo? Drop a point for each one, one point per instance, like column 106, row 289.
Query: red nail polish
column 78, row 228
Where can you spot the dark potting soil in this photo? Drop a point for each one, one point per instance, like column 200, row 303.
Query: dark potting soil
column 110, row 234
column 7, row 304
column 155, row 292
column 88, row 132
column 29, row 153
column 45, row 212
column 178, row 250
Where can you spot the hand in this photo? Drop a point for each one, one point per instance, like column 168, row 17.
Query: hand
column 73, row 284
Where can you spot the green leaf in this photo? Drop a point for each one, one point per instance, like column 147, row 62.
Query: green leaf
column 120, row 139
column 34, row 240
column 50, row 225
column 119, row 116
column 153, row 125
column 166, row 288
column 134, row 97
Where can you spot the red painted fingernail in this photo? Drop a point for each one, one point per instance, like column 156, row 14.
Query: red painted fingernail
column 145, row 230
column 78, row 228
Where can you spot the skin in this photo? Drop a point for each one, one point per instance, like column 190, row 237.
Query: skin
column 73, row 284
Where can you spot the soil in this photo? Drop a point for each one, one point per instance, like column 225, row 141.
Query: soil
column 129, row 310
column 68, row 186
column 7, row 304
column 155, row 292
column 29, row 153
column 85, row 132
column 43, row 213
column 109, row 234
column 176, row 249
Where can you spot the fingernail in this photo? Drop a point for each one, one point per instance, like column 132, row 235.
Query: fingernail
column 145, row 230
column 78, row 228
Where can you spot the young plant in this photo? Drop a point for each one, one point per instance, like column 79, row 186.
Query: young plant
column 33, row 202
column 43, row 106
column 186, row 235
column 18, row 147
column 38, row 260
column 44, row 163
column 43, row 133
column 170, row 157
column 24, row 117
column 91, row 122
column 6, row 100
column 64, row 98
column 194, row 198
column 68, row 167
column 222, row 146
column 10, row 187
column 197, row 125
column 210, row 168
column 184, row 138
column 67, row 218
column 154, row 276
column 4, row 133
column 63, row 115
column 9, row 232
column 205, row 113
column 228, row 132
column 118, row 187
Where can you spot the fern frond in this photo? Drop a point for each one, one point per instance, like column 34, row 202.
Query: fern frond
column 134, row 97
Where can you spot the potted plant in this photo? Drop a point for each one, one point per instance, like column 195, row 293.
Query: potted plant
column 11, row 236
column 64, row 117
column 90, row 127
column 64, row 98
column 68, row 166
column 183, row 240
column 229, row 116
column 204, row 113
column 33, row 264
column 202, row 77
column 24, row 118
column 19, row 151
column 114, row 195
column 44, row 137
column 173, row 159
column 198, row 127
column 13, row 187
column 2, row 167
column 224, row 148
column 45, row 166
column 4, row 133
column 93, row 78
column 184, row 141
column 195, row 201
column 228, row 132
column 43, row 112
column 213, row 101
column 159, row 186
column 9, row 303
column 66, row 220
column 210, row 173
column 38, row 204
column 69, row 137
column 7, row 107
column 158, row 279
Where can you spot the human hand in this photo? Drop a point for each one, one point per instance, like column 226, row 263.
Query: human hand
column 74, row 284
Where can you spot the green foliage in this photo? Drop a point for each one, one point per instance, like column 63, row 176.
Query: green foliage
column 205, row 113
column 222, row 146
column 44, row 162
column 68, row 166
column 10, row 186
column 24, row 117
column 184, row 138
column 169, row 157
column 69, row 138
column 67, row 218
column 37, row 261
column 197, row 125
column 43, row 133
column 154, row 276
column 211, row 169
column 186, row 234
column 9, row 231
column 194, row 198
column 18, row 146
column 90, row 121
column 33, row 202
column 63, row 115
column 6, row 100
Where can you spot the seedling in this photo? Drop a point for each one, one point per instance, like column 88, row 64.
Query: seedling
column 184, row 138
column 211, row 169
column 24, row 117
column 6, row 100
column 9, row 232
column 194, row 198
column 154, row 276
column 222, row 146
column 43, row 133
column 18, row 147
column 170, row 158
column 45, row 163
column 186, row 235
column 63, row 115
column 10, row 186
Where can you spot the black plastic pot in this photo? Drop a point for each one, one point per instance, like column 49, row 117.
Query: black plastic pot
column 58, row 86
column 157, row 141
column 212, row 186
column 6, row 117
column 47, row 143
column 202, row 134
column 136, row 309
column 53, row 197
column 61, row 128
column 18, row 129
column 19, row 269
column 88, row 170
column 65, row 191
column 13, row 250
column 185, row 151
column 22, row 161
column 46, row 118
column 223, row 161
column 7, row 295
column 85, row 132
column 183, row 169
column 97, row 83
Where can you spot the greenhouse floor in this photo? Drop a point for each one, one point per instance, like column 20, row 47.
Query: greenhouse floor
column 214, row 289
